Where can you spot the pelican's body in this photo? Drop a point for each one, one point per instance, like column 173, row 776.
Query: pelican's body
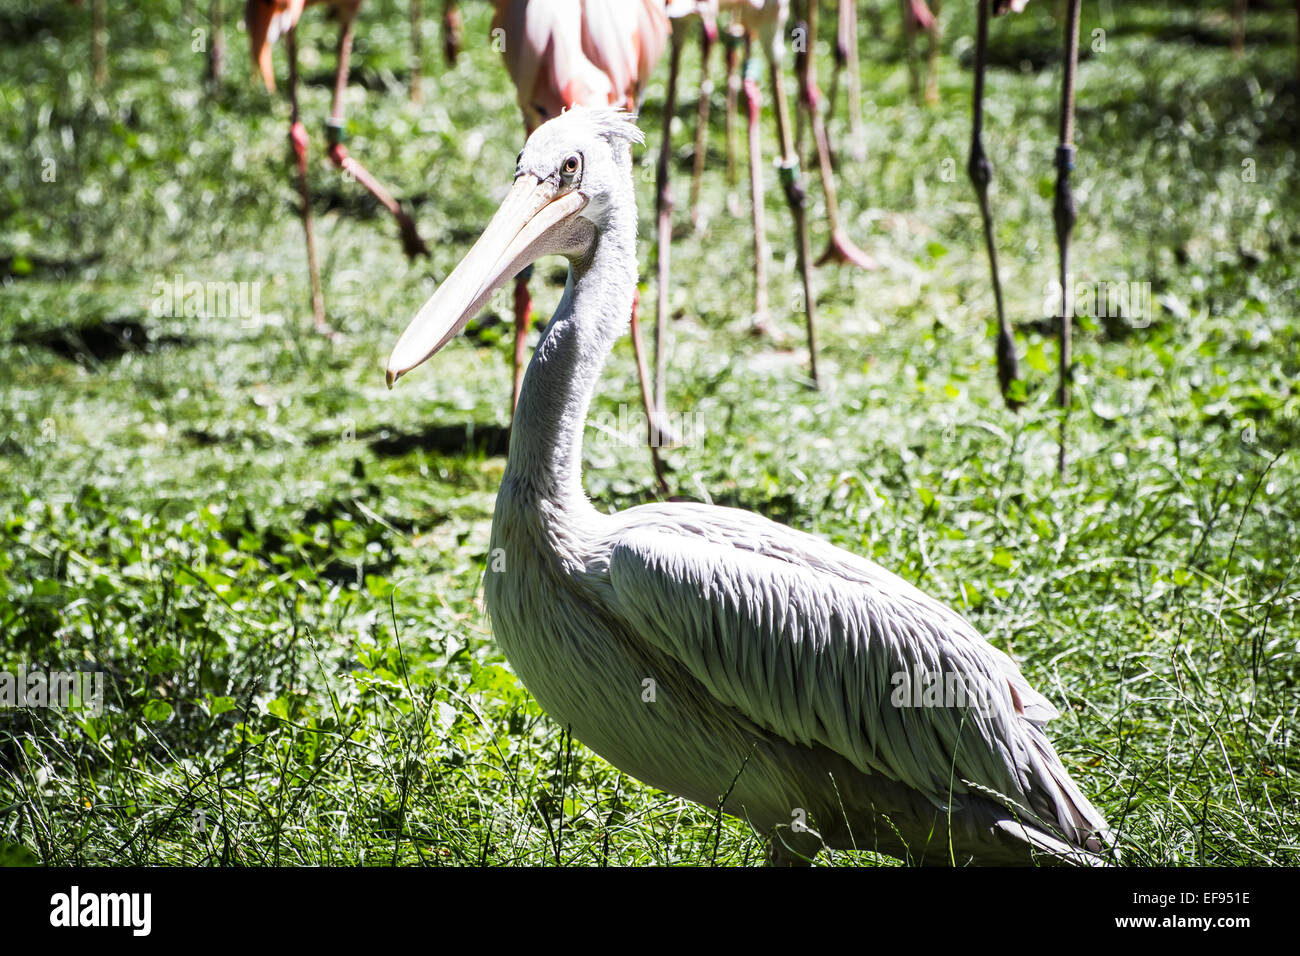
column 709, row 651
column 771, row 654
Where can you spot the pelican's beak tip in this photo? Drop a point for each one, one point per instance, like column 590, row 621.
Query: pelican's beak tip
column 391, row 377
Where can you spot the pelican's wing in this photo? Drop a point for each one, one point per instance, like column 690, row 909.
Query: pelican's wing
column 826, row 649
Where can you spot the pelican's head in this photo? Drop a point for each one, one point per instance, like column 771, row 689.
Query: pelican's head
column 572, row 177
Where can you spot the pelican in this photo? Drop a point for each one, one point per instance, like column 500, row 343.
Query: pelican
column 708, row 651
column 563, row 53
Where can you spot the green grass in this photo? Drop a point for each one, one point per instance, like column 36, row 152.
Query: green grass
column 277, row 562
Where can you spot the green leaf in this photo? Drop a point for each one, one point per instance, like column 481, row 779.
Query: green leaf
column 15, row 854
column 1036, row 360
column 156, row 711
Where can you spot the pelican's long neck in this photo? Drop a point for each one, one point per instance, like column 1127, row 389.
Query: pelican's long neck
column 545, row 461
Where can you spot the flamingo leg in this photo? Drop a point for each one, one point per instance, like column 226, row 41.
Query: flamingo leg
column 417, row 51
column 841, row 54
column 657, row 434
column 298, row 140
column 453, row 31
column 709, row 34
column 909, row 37
column 980, row 171
column 846, row 57
column 412, row 244
column 1065, row 215
column 732, row 44
column 523, row 317
column 99, row 42
column 797, row 199
column 840, row 248
column 754, row 105
column 664, row 215
column 217, row 48
column 932, row 57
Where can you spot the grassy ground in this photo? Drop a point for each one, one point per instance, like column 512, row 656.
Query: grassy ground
column 277, row 562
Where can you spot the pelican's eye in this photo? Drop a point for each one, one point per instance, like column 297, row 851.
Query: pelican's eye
column 571, row 169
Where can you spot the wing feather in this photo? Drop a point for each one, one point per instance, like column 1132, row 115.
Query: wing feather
column 778, row 628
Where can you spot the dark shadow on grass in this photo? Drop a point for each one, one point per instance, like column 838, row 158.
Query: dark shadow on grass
column 96, row 342
column 352, row 200
column 458, row 439
column 1197, row 34
column 1023, row 54
column 359, row 75
column 27, row 23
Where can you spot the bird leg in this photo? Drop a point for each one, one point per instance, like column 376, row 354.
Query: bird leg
column 797, row 198
column 523, row 317
column 980, row 171
column 731, row 43
column 917, row 17
column 846, row 55
column 453, row 31
column 417, row 51
column 909, row 38
column 412, row 244
column 841, row 54
column 754, row 105
column 840, row 248
column 217, row 48
column 708, row 35
column 658, row 434
column 932, row 57
column 298, row 140
column 664, row 214
column 99, row 41
column 1065, row 215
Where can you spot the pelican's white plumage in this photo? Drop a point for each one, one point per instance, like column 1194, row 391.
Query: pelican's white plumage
column 775, row 657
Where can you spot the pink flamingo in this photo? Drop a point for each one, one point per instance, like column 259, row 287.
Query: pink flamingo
column 266, row 21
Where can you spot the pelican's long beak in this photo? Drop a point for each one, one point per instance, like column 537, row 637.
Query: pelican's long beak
column 532, row 222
